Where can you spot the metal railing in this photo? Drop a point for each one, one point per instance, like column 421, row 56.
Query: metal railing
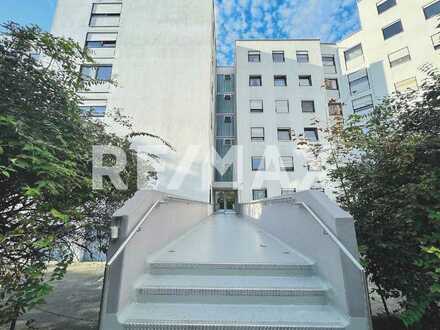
column 137, row 228
column 347, row 253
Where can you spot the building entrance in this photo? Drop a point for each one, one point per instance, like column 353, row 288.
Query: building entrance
column 225, row 201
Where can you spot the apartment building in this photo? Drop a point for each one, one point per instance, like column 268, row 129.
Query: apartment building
column 252, row 114
column 396, row 38
column 162, row 56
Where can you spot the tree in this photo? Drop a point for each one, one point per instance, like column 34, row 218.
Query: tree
column 47, row 204
column 387, row 168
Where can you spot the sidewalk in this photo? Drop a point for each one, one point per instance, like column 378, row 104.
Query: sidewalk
column 74, row 303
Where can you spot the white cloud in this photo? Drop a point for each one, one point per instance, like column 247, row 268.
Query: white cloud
column 252, row 19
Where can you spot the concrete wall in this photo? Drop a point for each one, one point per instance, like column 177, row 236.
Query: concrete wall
column 294, row 225
column 301, row 178
column 168, row 221
column 165, row 68
column 416, row 35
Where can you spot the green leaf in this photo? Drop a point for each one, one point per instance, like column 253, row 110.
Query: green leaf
column 57, row 214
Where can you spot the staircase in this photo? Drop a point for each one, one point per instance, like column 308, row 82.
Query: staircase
column 286, row 263
column 227, row 273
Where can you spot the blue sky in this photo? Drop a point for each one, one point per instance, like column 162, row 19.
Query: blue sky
column 329, row 20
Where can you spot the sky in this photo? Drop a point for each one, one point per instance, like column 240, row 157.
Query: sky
column 329, row 20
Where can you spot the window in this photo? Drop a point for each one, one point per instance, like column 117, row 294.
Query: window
column 329, row 63
column 392, row 30
column 335, row 109
column 228, row 77
column 225, row 126
column 94, row 110
column 384, row 5
column 358, row 82
column 407, row 84
column 436, row 41
column 258, row 164
column 284, row 134
column 258, row 194
column 363, row 103
column 432, row 10
column 257, row 134
column 399, row 57
column 331, row 84
column 286, row 164
column 308, row 106
column 278, row 57
column 228, row 97
column 302, row 56
column 256, row 105
column 280, row 81
column 254, row 57
column 305, row 80
column 255, row 81
column 105, row 14
column 311, row 134
column 98, row 72
column 282, row 106
column 288, row 191
column 101, row 40
column 353, row 53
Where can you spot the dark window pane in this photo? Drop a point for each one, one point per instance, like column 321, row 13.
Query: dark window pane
column 278, row 57
column 432, row 9
column 258, row 164
column 104, row 73
column 259, row 194
column 308, row 106
column 385, row 5
column 392, row 30
column 311, row 134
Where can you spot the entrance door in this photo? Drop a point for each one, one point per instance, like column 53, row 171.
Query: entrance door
column 225, row 201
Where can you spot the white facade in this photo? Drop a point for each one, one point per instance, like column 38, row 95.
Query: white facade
column 392, row 61
column 162, row 55
column 288, row 109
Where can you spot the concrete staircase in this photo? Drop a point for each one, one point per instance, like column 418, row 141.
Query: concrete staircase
column 227, row 273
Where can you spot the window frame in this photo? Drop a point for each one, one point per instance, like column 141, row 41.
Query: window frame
column 87, row 109
column 401, row 81
column 256, row 110
column 390, row 25
column 92, row 14
column 315, row 130
column 260, row 77
column 331, row 79
column 303, row 102
column 356, row 80
column 288, row 191
column 304, row 77
column 436, row 46
column 365, row 107
column 283, row 78
column 252, row 53
column 256, row 138
column 288, row 106
column 351, row 49
column 333, row 57
column 429, row 5
column 287, row 168
column 383, row 2
column 284, row 129
column 96, row 68
column 398, row 61
column 278, row 52
column 263, row 161
column 254, row 191
column 300, row 53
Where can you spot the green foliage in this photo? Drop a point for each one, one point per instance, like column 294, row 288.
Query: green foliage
column 387, row 168
column 47, row 204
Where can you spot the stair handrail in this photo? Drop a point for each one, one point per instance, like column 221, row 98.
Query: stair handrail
column 350, row 256
column 133, row 232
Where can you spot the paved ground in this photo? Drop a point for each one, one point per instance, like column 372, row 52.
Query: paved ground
column 74, row 304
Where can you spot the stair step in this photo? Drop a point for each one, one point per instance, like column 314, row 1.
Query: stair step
column 231, row 289
column 213, row 316
column 258, row 269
